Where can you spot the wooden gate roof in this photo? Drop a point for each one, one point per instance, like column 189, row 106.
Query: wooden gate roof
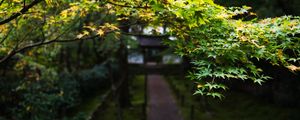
column 151, row 41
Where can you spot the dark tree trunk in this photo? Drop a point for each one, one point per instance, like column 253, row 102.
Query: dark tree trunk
column 98, row 57
column 124, row 88
column 67, row 58
column 79, row 49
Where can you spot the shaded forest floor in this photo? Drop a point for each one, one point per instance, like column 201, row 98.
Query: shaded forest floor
column 111, row 110
column 236, row 105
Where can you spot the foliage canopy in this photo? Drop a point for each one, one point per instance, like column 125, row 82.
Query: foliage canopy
column 219, row 45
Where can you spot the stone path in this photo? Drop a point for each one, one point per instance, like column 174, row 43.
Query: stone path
column 161, row 102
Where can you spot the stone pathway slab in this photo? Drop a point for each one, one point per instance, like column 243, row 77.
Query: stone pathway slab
column 161, row 102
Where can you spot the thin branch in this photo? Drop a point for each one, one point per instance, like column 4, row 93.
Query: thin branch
column 26, row 35
column 56, row 40
column 116, row 4
column 22, row 11
column 43, row 42
column 6, row 36
column 15, row 51
column 1, row 2
column 24, row 3
column 146, row 35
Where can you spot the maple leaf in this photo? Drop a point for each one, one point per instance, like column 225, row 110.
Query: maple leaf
column 80, row 36
column 100, row 32
column 293, row 68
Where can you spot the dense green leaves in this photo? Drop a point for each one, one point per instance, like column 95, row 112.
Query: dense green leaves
column 220, row 47
column 224, row 48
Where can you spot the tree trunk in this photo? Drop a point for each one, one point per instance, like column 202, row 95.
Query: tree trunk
column 124, row 88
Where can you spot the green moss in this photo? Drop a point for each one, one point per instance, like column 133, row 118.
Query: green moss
column 107, row 113
column 135, row 112
column 137, row 90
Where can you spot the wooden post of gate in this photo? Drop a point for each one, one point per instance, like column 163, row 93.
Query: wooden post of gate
column 145, row 87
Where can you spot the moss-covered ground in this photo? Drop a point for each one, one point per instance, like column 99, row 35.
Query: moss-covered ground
column 110, row 110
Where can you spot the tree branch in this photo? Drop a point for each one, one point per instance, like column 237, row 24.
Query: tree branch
column 6, row 36
column 22, row 11
column 1, row 2
column 13, row 52
column 145, row 35
column 142, row 7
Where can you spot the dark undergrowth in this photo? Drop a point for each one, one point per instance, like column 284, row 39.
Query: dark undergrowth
column 112, row 111
column 236, row 105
